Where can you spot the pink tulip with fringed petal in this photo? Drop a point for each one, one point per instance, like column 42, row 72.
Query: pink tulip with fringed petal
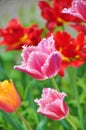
column 77, row 9
column 42, row 61
column 52, row 104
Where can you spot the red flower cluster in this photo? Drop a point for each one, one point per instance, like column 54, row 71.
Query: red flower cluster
column 52, row 12
column 79, row 27
column 73, row 50
column 15, row 35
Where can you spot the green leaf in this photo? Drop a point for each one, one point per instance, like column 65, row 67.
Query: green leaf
column 8, row 118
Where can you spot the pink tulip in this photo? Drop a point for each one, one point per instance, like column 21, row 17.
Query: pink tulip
column 77, row 9
column 42, row 61
column 52, row 104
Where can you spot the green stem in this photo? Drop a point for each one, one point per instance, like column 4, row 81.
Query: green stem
column 67, row 118
column 54, row 84
column 63, row 29
column 24, row 120
column 70, row 122
column 29, row 89
column 76, row 94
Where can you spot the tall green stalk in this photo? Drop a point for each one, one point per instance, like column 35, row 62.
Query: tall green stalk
column 68, row 117
column 24, row 120
column 70, row 122
column 76, row 94
column 54, row 84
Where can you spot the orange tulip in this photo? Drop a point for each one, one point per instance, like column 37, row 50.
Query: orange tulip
column 9, row 98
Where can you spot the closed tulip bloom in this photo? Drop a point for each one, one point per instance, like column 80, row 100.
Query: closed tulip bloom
column 9, row 98
column 42, row 61
column 77, row 9
column 52, row 104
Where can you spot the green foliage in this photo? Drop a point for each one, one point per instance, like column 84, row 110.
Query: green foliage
column 29, row 89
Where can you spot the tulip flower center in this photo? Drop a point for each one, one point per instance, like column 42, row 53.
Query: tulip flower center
column 61, row 20
column 21, row 40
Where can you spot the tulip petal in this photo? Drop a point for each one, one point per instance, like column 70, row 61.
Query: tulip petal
column 48, row 114
column 34, row 64
column 26, row 52
column 77, row 9
column 34, row 73
column 36, row 60
column 9, row 98
column 52, row 65
column 47, row 45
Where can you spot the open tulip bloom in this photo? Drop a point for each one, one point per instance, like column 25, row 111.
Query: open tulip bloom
column 42, row 61
column 52, row 104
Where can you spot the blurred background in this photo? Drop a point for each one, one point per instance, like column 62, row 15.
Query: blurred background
column 28, row 12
